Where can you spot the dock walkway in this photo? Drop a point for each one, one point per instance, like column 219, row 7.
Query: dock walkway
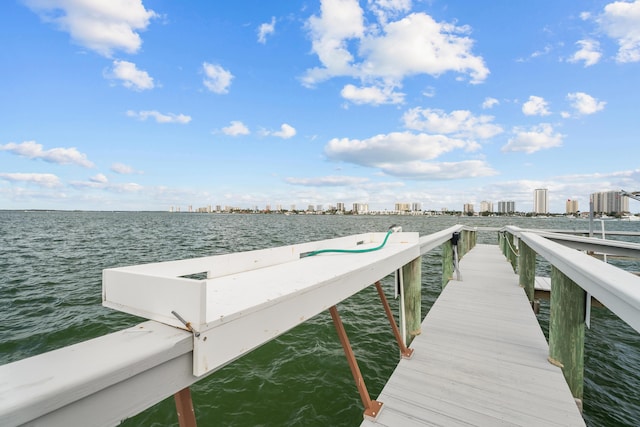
column 481, row 359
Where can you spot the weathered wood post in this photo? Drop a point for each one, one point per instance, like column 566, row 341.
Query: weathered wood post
column 527, row 269
column 412, row 289
column 447, row 262
column 566, row 330
column 468, row 241
column 512, row 255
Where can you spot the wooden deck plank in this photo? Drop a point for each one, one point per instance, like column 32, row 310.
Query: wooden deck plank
column 481, row 359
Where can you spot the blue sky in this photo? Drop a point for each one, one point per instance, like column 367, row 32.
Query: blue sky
column 144, row 105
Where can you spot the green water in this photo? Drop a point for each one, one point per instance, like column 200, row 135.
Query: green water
column 50, row 295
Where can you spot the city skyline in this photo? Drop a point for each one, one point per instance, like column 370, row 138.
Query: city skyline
column 603, row 203
column 376, row 102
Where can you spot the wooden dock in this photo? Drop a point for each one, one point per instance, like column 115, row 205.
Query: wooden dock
column 481, row 359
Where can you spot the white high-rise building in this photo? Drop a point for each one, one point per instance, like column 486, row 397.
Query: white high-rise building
column 486, row 206
column 360, row 208
column 507, row 206
column 541, row 201
column 610, row 202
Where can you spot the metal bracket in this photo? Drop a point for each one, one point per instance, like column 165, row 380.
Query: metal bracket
column 187, row 325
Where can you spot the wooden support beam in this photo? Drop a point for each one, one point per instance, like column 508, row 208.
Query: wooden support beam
column 412, row 288
column 371, row 407
column 184, row 408
column 512, row 256
column 447, row 263
column 404, row 351
column 566, row 330
column 527, row 269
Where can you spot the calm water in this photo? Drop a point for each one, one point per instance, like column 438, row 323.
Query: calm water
column 50, row 296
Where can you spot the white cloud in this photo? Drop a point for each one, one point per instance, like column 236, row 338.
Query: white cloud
column 328, row 181
column 460, row 123
column 122, row 169
column 439, row 171
column 390, row 51
column 216, row 79
column 41, row 179
column 266, row 29
column 536, row 138
column 236, row 128
column 339, row 21
column 535, row 106
column 589, row 52
column 584, row 103
column 621, row 21
column 417, row 44
column 129, row 187
column 62, row 156
column 99, row 179
column 373, row 95
column 489, row 103
column 160, row 117
column 408, row 155
column 130, row 76
column 286, row 131
column 102, row 26
column 386, row 9
column 396, row 147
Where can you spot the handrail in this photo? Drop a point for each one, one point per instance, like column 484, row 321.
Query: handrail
column 617, row 289
column 611, row 247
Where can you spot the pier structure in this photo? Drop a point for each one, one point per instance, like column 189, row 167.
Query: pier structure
column 478, row 358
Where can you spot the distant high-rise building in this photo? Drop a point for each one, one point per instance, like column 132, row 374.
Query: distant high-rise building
column 571, row 206
column 486, row 206
column 416, row 207
column 402, row 207
column 610, row 202
column 467, row 208
column 541, row 201
column 340, row 207
column 360, row 208
column 506, row 206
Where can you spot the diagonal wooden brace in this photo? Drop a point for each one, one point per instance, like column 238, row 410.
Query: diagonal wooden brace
column 406, row 352
column 372, row 408
column 184, row 408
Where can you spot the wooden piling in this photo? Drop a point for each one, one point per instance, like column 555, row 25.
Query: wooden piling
column 527, row 269
column 447, row 263
column 566, row 330
column 512, row 255
column 412, row 288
